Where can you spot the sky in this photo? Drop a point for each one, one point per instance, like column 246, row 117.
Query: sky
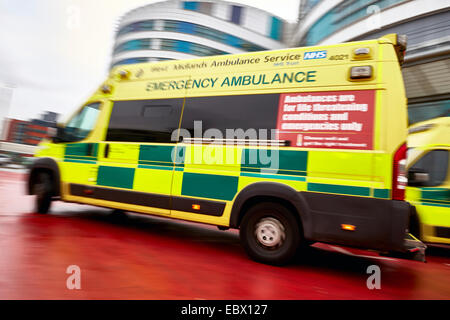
column 55, row 53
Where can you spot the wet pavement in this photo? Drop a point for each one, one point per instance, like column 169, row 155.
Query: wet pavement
column 142, row 257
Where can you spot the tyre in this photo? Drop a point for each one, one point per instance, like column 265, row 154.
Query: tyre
column 270, row 233
column 43, row 189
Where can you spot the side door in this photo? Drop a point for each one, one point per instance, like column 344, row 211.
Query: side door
column 136, row 159
column 429, row 190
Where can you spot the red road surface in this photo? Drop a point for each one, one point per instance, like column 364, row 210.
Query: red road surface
column 142, row 257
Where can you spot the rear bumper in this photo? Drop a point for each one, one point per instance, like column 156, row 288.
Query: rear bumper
column 380, row 224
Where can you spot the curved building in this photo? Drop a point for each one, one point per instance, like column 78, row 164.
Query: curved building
column 426, row 23
column 187, row 29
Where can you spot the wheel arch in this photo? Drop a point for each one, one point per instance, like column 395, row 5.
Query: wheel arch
column 414, row 223
column 273, row 192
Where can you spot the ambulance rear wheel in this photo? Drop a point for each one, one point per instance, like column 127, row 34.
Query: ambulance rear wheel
column 270, row 233
column 43, row 189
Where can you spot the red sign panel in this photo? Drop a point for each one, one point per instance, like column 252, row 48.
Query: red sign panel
column 333, row 119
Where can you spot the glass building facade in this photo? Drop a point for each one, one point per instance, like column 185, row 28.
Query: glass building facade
column 189, row 33
column 344, row 14
column 426, row 71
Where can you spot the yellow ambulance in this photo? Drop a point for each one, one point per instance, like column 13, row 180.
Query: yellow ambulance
column 429, row 179
column 291, row 147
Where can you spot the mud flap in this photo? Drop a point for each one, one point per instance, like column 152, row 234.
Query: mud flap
column 414, row 249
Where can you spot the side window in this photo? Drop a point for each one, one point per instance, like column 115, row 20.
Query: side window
column 435, row 163
column 231, row 112
column 79, row 127
column 144, row 120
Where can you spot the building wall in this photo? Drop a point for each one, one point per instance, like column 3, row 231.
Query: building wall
column 24, row 132
column 178, row 29
column 426, row 71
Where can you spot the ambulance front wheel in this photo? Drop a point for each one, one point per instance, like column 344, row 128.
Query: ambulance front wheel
column 270, row 233
column 43, row 189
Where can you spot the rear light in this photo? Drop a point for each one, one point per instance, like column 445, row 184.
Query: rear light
column 363, row 72
column 399, row 179
column 402, row 39
column 400, row 47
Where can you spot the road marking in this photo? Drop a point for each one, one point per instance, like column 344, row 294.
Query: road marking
column 344, row 251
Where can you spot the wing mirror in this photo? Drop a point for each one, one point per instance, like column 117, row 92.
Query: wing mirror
column 57, row 134
column 418, row 177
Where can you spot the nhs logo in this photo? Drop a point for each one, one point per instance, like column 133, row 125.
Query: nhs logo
column 315, row 55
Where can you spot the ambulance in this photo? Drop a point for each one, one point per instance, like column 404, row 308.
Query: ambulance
column 291, row 147
column 429, row 180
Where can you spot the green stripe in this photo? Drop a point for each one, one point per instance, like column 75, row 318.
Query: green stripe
column 338, row 189
column 81, row 158
column 297, row 173
column 156, row 163
column 209, row 186
column 440, row 194
column 80, row 161
column 436, row 204
column 382, row 193
column 273, row 171
column 142, row 166
column 115, row 177
column 271, row 176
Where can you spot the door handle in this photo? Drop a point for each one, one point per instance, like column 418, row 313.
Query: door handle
column 106, row 153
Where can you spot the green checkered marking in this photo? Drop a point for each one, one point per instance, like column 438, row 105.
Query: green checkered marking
column 286, row 162
column 153, row 155
column 115, row 177
column 382, row 193
column 435, row 194
column 81, row 151
column 438, row 197
column 209, row 186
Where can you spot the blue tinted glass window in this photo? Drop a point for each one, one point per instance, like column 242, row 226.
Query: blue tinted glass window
column 232, row 40
column 170, row 25
column 236, row 14
column 342, row 15
column 183, row 46
column 186, row 27
column 275, row 29
column 190, row 5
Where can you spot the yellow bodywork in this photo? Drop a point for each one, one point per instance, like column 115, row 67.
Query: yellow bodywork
column 364, row 173
column 432, row 203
